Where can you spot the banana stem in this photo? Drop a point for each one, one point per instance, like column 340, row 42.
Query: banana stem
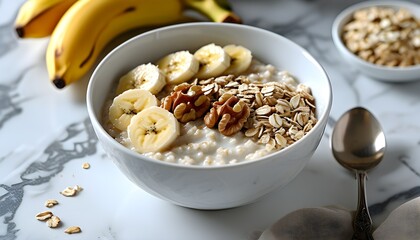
column 213, row 10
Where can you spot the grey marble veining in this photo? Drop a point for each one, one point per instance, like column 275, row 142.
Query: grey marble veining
column 77, row 141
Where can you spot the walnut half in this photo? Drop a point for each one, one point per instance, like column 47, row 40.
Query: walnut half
column 187, row 102
column 229, row 113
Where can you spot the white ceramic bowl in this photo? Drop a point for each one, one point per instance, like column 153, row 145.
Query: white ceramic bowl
column 383, row 73
column 220, row 186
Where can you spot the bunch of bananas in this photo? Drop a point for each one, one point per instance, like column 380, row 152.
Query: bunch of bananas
column 80, row 29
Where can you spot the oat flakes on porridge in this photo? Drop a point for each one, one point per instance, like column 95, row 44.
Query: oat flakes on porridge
column 217, row 106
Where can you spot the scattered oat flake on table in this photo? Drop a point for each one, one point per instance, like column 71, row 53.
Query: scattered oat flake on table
column 85, row 165
column 72, row 229
column 51, row 203
column 71, row 191
column 53, row 222
column 42, row 216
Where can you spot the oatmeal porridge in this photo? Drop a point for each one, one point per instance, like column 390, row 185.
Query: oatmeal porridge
column 239, row 109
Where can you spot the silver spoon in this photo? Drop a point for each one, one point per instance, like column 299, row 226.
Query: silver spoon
column 358, row 144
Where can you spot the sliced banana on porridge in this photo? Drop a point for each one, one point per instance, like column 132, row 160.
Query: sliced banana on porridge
column 146, row 76
column 179, row 67
column 240, row 59
column 213, row 61
column 128, row 104
column 153, row 130
column 218, row 105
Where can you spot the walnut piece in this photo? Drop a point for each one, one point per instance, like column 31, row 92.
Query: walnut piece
column 187, row 102
column 228, row 113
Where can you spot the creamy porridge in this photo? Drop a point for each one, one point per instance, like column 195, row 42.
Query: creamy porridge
column 235, row 116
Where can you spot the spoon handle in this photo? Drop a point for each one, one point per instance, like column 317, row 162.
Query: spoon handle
column 362, row 223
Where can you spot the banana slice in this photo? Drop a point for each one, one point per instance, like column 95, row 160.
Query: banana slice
column 179, row 67
column 213, row 61
column 146, row 76
column 240, row 59
column 128, row 104
column 153, row 130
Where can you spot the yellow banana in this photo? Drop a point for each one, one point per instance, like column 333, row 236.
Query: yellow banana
column 38, row 18
column 216, row 10
column 89, row 25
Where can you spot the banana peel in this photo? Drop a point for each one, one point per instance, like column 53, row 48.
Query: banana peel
column 44, row 17
column 38, row 18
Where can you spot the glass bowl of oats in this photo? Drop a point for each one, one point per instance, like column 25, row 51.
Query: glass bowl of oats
column 381, row 39
column 209, row 115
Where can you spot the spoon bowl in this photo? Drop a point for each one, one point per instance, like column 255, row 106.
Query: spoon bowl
column 357, row 141
column 358, row 144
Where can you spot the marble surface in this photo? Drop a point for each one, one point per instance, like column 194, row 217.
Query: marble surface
column 45, row 136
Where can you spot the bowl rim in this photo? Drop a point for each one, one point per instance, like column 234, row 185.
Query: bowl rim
column 96, row 122
column 345, row 15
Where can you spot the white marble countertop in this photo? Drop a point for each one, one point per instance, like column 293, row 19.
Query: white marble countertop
column 45, row 136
